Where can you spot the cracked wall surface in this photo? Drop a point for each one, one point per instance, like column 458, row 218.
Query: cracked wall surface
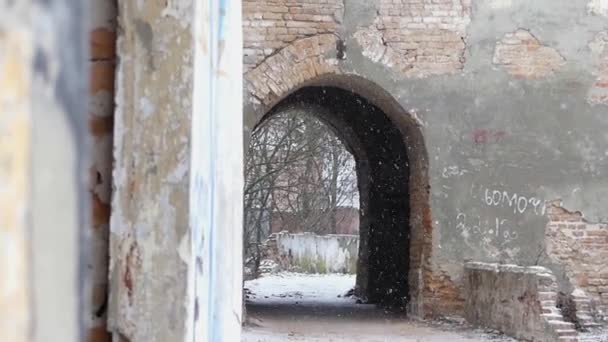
column 269, row 26
column 598, row 94
column 418, row 37
column 582, row 248
column 523, row 56
column 304, row 60
column 149, row 231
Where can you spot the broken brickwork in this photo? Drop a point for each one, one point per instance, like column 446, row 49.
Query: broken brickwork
column 418, row 38
column 523, row 56
column 598, row 94
column 294, row 65
column 519, row 301
column 102, row 59
column 269, row 26
column 582, row 248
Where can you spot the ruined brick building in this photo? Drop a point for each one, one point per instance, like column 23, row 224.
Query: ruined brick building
column 478, row 128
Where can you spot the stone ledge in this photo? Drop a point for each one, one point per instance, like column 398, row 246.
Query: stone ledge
column 517, row 300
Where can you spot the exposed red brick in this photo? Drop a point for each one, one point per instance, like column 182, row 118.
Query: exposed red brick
column 101, row 211
column 582, row 248
column 99, row 126
column 99, row 334
column 269, row 27
column 101, row 76
column 292, row 66
column 598, row 94
column 442, row 297
column 523, row 56
column 418, row 38
column 102, row 44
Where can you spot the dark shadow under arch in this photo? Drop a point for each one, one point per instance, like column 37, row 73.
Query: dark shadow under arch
column 383, row 172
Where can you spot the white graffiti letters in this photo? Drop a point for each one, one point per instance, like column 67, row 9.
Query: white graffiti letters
column 453, row 171
column 519, row 203
column 495, row 229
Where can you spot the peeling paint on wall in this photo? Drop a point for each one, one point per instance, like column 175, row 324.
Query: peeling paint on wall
column 598, row 94
column 523, row 56
column 148, row 276
column 418, row 39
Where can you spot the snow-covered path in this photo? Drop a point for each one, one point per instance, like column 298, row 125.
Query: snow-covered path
column 299, row 307
column 292, row 288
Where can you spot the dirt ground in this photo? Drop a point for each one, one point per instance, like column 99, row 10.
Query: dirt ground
column 318, row 323
column 296, row 307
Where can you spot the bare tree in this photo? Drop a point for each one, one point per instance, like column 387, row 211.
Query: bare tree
column 297, row 169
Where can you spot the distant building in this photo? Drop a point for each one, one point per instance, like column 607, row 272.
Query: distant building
column 347, row 222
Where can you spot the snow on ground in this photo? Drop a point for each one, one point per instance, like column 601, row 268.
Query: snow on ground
column 598, row 335
column 288, row 287
column 303, row 307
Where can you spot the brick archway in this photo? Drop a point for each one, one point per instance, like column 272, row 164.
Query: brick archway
column 311, row 63
column 292, row 67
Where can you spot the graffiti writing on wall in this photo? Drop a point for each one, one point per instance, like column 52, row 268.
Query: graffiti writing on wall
column 488, row 136
column 495, row 228
column 513, row 201
column 453, row 171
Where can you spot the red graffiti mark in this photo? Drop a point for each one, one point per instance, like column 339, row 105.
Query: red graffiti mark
column 488, row 136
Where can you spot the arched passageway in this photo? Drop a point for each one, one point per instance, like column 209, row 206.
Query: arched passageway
column 380, row 152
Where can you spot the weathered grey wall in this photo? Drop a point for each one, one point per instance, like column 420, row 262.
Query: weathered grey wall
column 311, row 253
column 175, row 232
column 150, row 237
column 509, row 96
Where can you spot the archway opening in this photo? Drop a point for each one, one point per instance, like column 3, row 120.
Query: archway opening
column 381, row 157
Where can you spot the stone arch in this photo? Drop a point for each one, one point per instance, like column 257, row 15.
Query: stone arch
column 308, row 66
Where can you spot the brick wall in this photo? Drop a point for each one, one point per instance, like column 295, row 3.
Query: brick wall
column 269, row 25
column 598, row 94
column 519, row 301
column 418, row 37
column 101, row 122
column 347, row 221
column 441, row 295
column 523, row 56
column 582, row 248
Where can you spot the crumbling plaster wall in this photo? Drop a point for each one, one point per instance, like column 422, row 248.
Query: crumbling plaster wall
column 519, row 301
column 149, row 230
column 502, row 101
column 176, row 224
column 581, row 248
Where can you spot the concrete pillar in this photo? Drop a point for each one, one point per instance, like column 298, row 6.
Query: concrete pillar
column 216, row 187
column 175, row 240
column 43, row 150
